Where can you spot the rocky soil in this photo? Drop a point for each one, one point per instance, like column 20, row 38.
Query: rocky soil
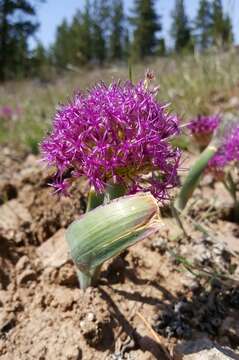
column 174, row 296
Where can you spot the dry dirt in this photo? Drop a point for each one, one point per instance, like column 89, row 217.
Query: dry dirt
column 161, row 292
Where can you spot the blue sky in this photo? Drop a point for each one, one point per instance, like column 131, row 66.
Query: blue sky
column 52, row 13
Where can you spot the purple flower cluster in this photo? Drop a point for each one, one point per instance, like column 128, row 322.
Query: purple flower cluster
column 227, row 153
column 8, row 113
column 204, row 124
column 232, row 146
column 117, row 133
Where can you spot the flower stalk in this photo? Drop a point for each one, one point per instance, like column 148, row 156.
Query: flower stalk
column 231, row 187
column 193, row 177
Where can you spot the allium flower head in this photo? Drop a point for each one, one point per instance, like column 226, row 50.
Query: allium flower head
column 6, row 112
column 117, row 133
column 204, row 124
column 232, row 146
column 227, row 153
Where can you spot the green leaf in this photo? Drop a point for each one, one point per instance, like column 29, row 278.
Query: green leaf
column 107, row 230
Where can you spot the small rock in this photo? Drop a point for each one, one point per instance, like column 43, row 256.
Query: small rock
column 95, row 330
column 73, row 353
column 202, row 349
column 139, row 354
column 90, row 317
column 13, row 215
column 54, row 252
column 92, row 332
column 159, row 244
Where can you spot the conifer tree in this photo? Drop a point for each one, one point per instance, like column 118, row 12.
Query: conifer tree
column 84, row 34
column 100, row 30
column 40, row 62
column 126, row 44
column 81, row 37
column 161, row 47
column 203, row 24
column 99, row 44
column 218, row 22
column 62, row 48
column 228, row 32
column 14, row 34
column 221, row 25
column 181, row 31
column 117, row 35
column 146, row 24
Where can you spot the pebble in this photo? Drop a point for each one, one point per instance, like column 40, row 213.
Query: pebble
column 202, row 349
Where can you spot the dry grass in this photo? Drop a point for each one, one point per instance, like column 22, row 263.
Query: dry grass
column 189, row 83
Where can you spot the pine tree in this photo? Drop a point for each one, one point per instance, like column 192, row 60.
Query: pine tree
column 85, row 39
column 81, row 31
column 218, row 22
column 14, row 34
column 116, row 41
column 181, row 31
column 62, row 48
column 221, row 25
column 126, row 45
column 161, row 48
column 100, row 30
column 146, row 25
column 40, row 64
column 203, row 24
column 227, row 32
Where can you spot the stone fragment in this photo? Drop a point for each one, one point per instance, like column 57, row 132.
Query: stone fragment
column 13, row 215
column 202, row 349
column 54, row 252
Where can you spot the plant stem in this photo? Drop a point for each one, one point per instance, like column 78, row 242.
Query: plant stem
column 94, row 200
column 232, row 189
column 130, row 71
column 84, row 279
column 88, row 279
column 193, row 177
column 176, row 215
column 114, row 191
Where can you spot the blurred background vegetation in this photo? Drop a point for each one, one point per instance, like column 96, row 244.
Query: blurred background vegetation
column 196, row 73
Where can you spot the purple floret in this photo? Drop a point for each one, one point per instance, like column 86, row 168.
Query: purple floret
column 204, row 124
column 117, row 133
column 232, row 146
column 218, row 161
column 227, row 153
